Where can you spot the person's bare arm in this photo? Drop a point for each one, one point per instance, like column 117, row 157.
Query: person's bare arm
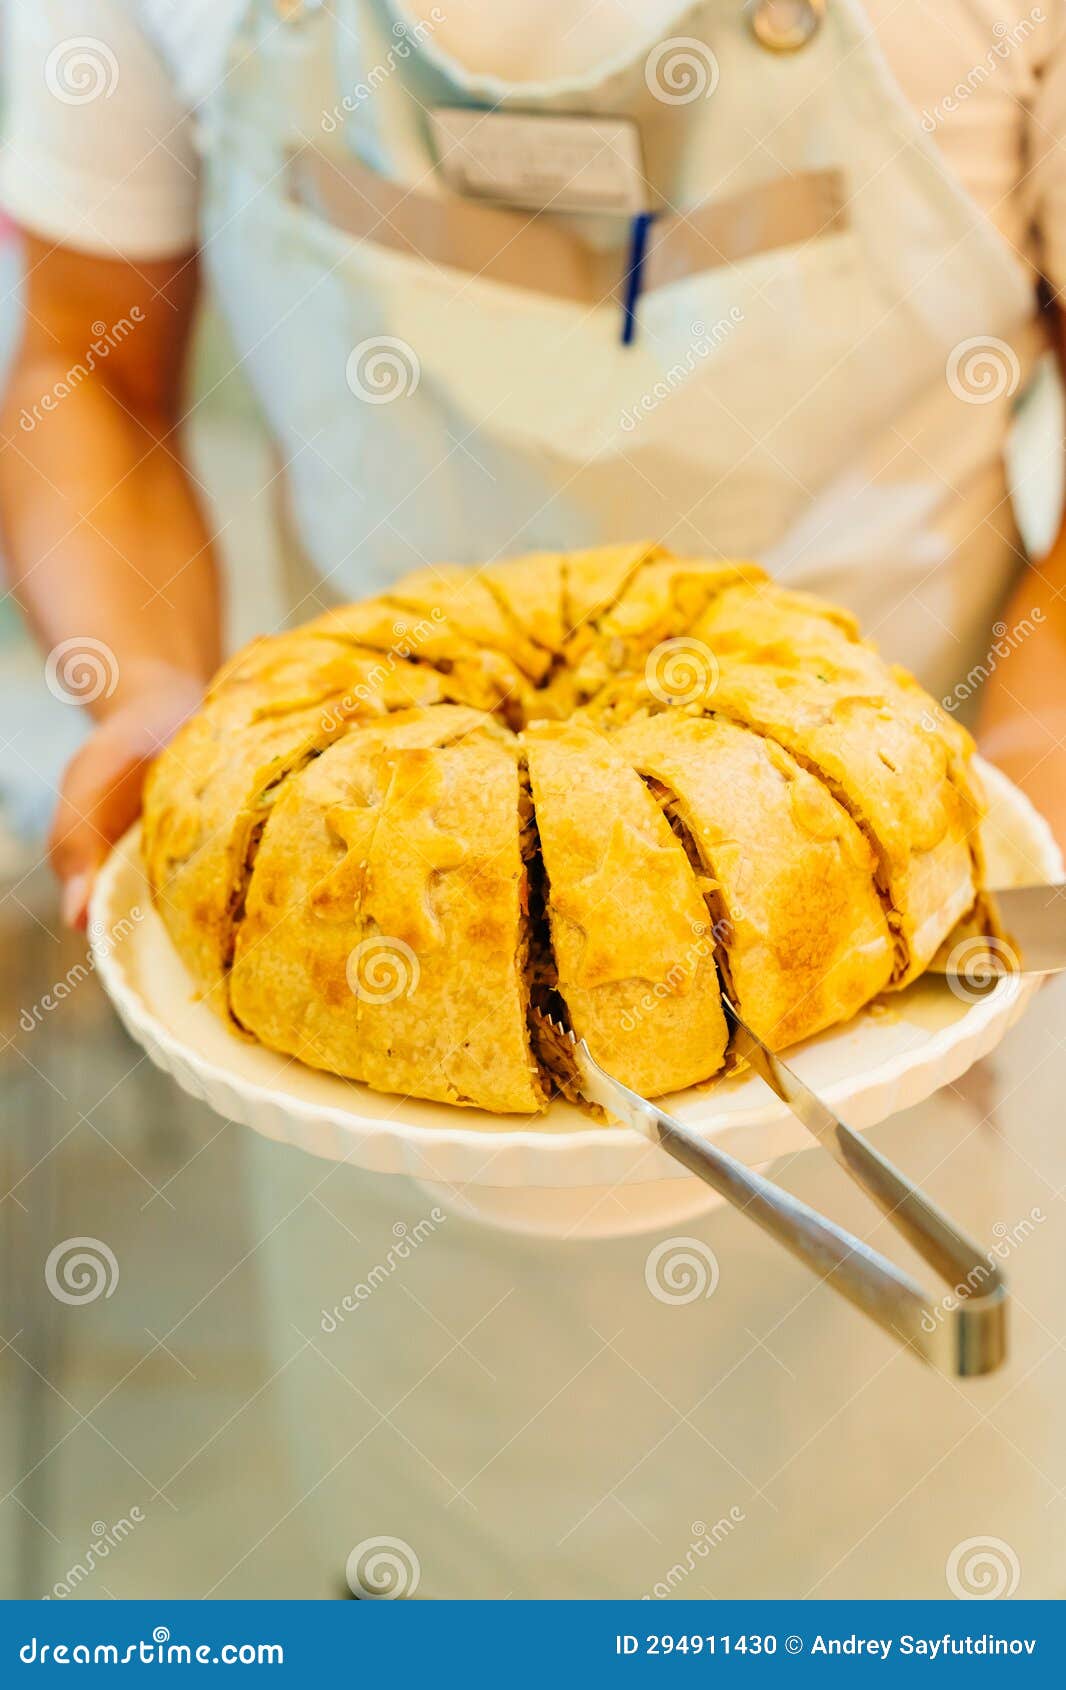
column 103, row 536
column 1022, row 724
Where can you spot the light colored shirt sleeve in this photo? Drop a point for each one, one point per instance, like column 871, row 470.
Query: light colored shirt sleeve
column 97, row 149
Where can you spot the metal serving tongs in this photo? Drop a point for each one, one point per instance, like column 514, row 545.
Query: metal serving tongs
column 964, row 1335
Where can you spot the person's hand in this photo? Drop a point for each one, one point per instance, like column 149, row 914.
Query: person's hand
column 100, row 794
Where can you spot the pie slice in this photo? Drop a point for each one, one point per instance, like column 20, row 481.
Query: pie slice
column 469, row 674
column 667, row 596
column 768, row 624
column 303, row 920
column 531, row 589
column 462, row 597
column 629, row 925
column 802, row 937
column 439, row 974
column 649, row 622
column 205, row 803
column 594, row 579
column 295, row 675
column 896, row 780
column 752, row 618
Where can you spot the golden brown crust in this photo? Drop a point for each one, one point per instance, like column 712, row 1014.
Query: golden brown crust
column 759, row 620
column 630, row 929
column 305, row 914
column 410, row 640
column 276, row 704
column 805, row 939
column 203, row 802
column 593, row 581
column 344, row 790
column 460, row 595
column 532, row 589
column 893, row 778
column 444, row 912
column 666, row 597
column 659, row 603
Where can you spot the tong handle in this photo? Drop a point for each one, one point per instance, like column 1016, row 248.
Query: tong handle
column 978, row 1322
column 964, row 1341
column 866, row 1278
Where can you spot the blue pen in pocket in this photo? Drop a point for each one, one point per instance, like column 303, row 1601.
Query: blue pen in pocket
column 638, row 246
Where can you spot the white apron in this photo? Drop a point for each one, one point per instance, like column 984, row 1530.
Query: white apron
column 807, row 404
column 521, row 1414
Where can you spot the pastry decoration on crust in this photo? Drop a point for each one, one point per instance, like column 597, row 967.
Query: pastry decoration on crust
column 611, row 782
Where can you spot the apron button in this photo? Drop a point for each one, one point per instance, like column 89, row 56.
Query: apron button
column 784, row 26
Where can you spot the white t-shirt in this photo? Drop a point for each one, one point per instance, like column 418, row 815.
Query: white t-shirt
column 117, row 174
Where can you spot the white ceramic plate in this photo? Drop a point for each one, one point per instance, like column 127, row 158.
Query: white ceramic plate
column 564, row 1175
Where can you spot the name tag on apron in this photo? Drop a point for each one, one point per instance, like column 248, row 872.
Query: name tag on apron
column 540, row 161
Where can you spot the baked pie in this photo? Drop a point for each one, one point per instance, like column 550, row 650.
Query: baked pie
column 609, row 783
